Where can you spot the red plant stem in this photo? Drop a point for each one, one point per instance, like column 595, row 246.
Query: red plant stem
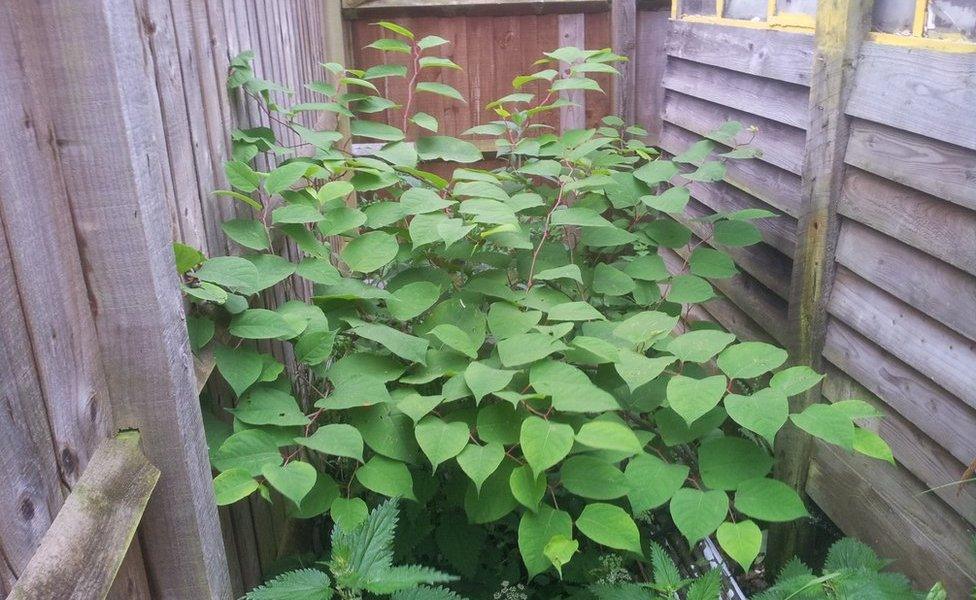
column 415, row 53
column 545, row 234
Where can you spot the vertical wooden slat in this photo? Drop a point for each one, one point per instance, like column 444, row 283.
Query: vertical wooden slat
column 572, row 32
column 652, row 60
column 623, row 37
column 841, row 27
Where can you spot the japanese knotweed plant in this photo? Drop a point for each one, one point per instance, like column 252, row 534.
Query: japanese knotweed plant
column 509, row 344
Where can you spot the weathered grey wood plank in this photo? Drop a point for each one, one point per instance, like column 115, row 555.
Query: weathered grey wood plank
column 943, row 417
column 781, row 146
column 928, row 165
column 784, row 103
column 767, row 53
column 651, row 61
column 928, row 541
column 83, row 550
column 107, row 116
column 923, row 91
column 926, row 283
column 774, row 186
column 934, row 226
column 935, row 350
column 912, row 449
column 623, row 41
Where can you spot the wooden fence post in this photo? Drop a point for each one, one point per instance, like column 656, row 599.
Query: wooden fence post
column 841, row 26
column 623, row 39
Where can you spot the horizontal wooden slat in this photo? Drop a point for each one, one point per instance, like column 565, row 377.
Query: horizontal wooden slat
column 922, row 91
column 930, row 166
column 926, row 283
column 784, row 103
column 885, row 507
column 923, row 457
column 774, row 186
column 933, row 349
column 939, row 414
column 934, row 226
column 767, row 53
column 368, row 9
column 781, row 145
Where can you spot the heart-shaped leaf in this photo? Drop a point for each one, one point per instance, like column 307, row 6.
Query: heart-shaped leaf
column 294, row 480
column 697, row 514
column 742, row 541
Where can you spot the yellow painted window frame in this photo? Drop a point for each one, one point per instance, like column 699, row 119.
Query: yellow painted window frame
column 917, row 38
column 798, row 22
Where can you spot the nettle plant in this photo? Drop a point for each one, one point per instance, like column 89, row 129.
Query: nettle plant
column 503, row 347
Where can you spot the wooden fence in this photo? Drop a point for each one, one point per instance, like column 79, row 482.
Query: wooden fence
column 869, row 160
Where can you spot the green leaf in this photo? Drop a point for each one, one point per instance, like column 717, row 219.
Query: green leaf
column 397, row 29
column 699, row 346
column 736, row 233
column 441, row 89
column 575, row 311
column 527, row 488
column 285, row 176
column 750, row 359
column 386, row 477
column 689, row 289
column 315, row 347
column 706, row 262
column 294, row 480
column 247, row 232
column 560, row 550
column 200, row 331
column 697, row 514
column 609, row 435
column 333, row 190
column 430, row 41
column 408, row 347
column 610, row 281
column 412, row 300
column 483, row 380
column 239, row 197
column 296, row 213
column 768, row 500
column 647, row 268
column 186, row 257
column 233, row 485
column 569, row 388
column 795, row 380
column 447, row 148
column 577, row 215
column 259, row 324
column 526, row 348
column 725, row 462
column 417, row 407
column 389, row 45
column 453, row 337
column 265, row 405
column 499, row 423
column 250, row 450
column 592, row 478
column 495, row 500
column 370, row 251
column 439, row 440
column 651, row 482
column 317, row 501
column 636, row 369
column 871, row 444
column 242, row 177
column 609, row 526
column 764, row 412
column 304, row 584
column 828, row 423
column 645, row 327
column 228, row 271
column 671, row 200
column 349, row 513
column 741, row 541
column 336, row 439
column 240, row 367
column 534, row 533
column 575, row 83
column 356, row 392
column 340, row 220
column 506, row 320
column 544, row 443
column 479, row 462
column 435, row 62
column 655, row 172
column 375, row 130
column 692, row 398
column 709, row 171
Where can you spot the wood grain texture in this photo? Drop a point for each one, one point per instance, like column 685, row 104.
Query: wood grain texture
column 772, row 54
column 926, row 283
column 371, row 9
column 781, row 145
column 623, row 41
column 939, row 228
column 85, row 545
column 922, row 163
column 922, row 91
column 912, row 449
column 928, row 541
column 651, row 61
column 933, row 349
column 777, row 101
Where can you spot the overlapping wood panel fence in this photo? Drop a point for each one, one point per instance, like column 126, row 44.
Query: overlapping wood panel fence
column 115, row 123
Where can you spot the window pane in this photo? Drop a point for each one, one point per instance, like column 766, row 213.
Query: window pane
column 951, row 19
column 808, row 7
column 698, row 7
column 893, row 16
column 746, row 9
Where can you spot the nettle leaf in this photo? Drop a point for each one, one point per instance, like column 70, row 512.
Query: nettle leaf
column 741, row 541
column 479, row 462
column 651, row 482
column 750, row 359
column 386, row 477
column 692, row 398
column 609, row 526
column 483, row 380
column 795, row 380
column 699, row 346
column 769, row 500
column 698, row 514
column 370, row 251
column 828, row 423
column 609, row 435
column 232, row 485
column 308, row 584
column 592, row 478
column 336, row 439
column 725, row 462
column 293, row 480
column 569, row 388
column 544, row 443
column 439, row 440
column 536, row 530
column 764, row 412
